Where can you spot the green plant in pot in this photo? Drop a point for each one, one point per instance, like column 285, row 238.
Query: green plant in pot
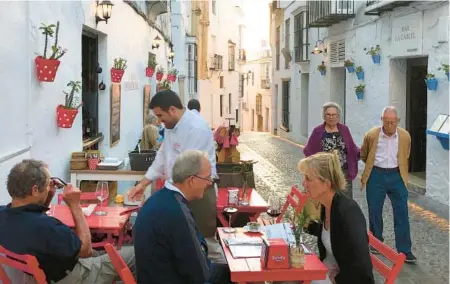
column 299, row 221
column 359, row 90
column 359, row 72
column 151, row 65
column 375, row 53
column 350, row 65
column 431, row 81
column 322, row 68
column 244, row 168
column 444, row 67
column 163, row 85
column 118, row 69
column 65, row 114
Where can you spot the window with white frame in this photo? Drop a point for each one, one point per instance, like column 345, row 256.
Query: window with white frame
column 192, row 67
column 301, row 40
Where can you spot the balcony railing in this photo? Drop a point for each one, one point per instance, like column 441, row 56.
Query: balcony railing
column 265, row 83
column 216, row 62
column 378, row 7
column 327, row 13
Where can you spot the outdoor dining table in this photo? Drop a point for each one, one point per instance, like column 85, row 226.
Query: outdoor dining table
column 246, row 270
column 256, row 206
column 112, row 224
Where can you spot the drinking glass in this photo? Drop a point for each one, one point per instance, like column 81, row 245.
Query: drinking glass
column 274, row 209
column 102, row 193
column 230, row 210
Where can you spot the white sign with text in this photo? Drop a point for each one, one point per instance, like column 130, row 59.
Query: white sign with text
column 406, row 37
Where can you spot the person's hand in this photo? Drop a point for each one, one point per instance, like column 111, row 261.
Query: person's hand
column 363, row 186
column 136, row 193
column 71, row 195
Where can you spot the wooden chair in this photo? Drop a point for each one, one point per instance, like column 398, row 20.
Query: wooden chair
column 119, row 264
column 87, row 197
column 26, row 263
column 398, row 259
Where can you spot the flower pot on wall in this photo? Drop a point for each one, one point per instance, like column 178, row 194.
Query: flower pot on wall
column 360, row 75
column 46, row 69
column 116, row 75
column 360, row 95
column 149, row 72
column 351, row 69
column 432, row 84
column 376, row 58
column 65, row 116
column 323, row 72
column 447, row 76
column 159, row 76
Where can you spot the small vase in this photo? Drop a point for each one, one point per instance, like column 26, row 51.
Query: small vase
column 297, row 256
column 244, row 198
column 351, row 69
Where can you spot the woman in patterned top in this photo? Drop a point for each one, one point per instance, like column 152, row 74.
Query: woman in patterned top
column 332, row 135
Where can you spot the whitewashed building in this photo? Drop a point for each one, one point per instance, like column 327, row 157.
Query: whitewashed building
column 221, row 83
column 413, row 41
column 256, row 105
column 28, row 106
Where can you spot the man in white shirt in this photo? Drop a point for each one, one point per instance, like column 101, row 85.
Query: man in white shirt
column 184, row 130
column 194, row 106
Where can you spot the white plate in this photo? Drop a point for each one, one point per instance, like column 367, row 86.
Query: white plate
column 246, row 228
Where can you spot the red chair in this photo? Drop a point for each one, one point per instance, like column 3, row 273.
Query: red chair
column 86, row 196
column 119, row 264
column 26, row 263
column 398, row 259
column 296, row 199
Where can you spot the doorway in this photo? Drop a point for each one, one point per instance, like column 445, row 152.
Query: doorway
column 416, row 114
column 338, row 85
column 89, row 75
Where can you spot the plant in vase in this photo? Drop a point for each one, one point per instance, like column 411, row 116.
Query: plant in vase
column 431, row 81
column 65, row 114
column 244, row 168
column 350, row 65
column 359, row 72
column 159, row 73
column 172, row 75
column 46, row 67
column 118, row 69
column 359, row 90
column 375, row 53
column 322, row 68
column 163, row 85
column 151, row 65
column 299, row 222
column 444, row 67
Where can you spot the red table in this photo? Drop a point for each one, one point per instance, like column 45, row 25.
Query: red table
column 244, row 270
column 111, row 224
column 257, row 205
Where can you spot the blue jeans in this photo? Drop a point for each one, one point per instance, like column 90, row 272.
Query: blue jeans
column 220, row 274
column 379, row 184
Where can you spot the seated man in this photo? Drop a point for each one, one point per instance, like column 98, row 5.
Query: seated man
column 169, row 247
column 25, row 228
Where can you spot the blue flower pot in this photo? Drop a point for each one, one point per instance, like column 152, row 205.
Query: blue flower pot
column 447, row 76
column 351, row 69
column 376, row 59
column 323, row 72
column 360, row 75
column 360, row 95
column 432, row 84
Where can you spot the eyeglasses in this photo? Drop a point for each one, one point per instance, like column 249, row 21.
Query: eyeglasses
column 57, row 182
column 208, row 179
column 390, row 122
column 331, row 115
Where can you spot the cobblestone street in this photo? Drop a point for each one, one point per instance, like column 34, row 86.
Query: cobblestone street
column 275, row 173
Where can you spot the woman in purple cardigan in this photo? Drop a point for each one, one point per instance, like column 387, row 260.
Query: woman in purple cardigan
column 332, row 135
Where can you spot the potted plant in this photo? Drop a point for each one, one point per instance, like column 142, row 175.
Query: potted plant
column 350, row 65
column 47, row 66
column 65, row 114
column 375, row 53
column 322, row 68
column 444, row 67
column 359, row 72
column 431, row 81
column 360, row 91
column 159, row 73
column 162, row 85
column 172, row 75
column 298, row 224
column 151, row 65
column 118, row 69
column 244, row 168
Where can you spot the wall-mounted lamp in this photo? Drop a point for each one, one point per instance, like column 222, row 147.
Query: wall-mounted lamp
column 156, row 42
column 171, row 54
column 103, row 11
column 316, row 50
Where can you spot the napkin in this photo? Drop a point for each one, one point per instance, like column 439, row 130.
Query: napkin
column 88, row 210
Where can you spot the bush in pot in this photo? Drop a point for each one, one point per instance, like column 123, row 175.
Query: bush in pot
column 159, row 73
column 359, row 72
column 360, row 91
column 431, row 81
column 375, row 53
column 350, row 65
column 444, row 67
column 65, row 114
column 151, row 65
column 118, row 69
column 322, row 68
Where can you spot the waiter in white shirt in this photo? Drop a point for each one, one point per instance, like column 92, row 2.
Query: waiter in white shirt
column 194, row 106
column 184, row 130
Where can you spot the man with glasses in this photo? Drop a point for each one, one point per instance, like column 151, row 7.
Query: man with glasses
column 385, row 151
column 63, row 254
column 169, row 246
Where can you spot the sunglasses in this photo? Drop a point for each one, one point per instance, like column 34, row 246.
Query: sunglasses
column 57, row 182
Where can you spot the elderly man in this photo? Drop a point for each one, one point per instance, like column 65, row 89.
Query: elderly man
column 184, row 131
column 169, row 247
column 64, row 255
column 385, row 151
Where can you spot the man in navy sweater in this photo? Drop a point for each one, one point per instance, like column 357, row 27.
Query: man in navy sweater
column 168, row 245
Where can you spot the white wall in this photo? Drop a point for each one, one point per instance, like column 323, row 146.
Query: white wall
column 31, row 104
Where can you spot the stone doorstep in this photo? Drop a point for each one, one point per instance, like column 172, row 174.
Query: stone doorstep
column 416, row 188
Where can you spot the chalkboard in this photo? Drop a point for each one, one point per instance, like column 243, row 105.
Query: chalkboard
column 146, row 109
column 115, row 114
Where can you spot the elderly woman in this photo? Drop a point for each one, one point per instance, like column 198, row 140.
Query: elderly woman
column 154, row 120
column 342, row 234
column 332, row 135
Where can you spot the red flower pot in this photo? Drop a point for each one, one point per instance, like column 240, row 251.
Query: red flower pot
column 93, row 163
column 116, row 75
column 46, row 69
column 149, row 71
column 174, row 78
column 159, row 76
column 65, row 116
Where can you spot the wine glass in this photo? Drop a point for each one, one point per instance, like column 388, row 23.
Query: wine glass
column 230, row 210
column 274, row 209
column 102, row 193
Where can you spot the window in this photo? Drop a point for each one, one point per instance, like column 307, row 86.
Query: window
column 277, row 46
column 229, row 103
column 237, row 115
column 287, row 39
column 192, row 68
column 301, row 41
column 259, row 104
column 221, row 82
column 241, row 86
column 231, row 57
column 253, row 78
column 221, row 105
column 285, row 104
column 214, row 6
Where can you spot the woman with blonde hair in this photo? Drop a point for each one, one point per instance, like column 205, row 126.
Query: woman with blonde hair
column 150, row 139
column 342, row 233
